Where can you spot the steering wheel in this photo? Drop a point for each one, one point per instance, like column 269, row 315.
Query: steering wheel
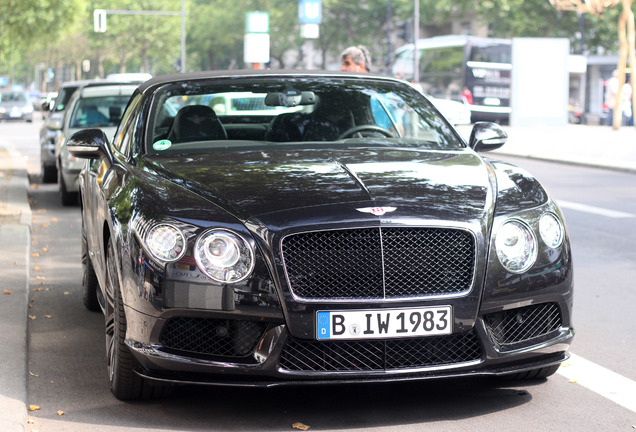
column 370, row 128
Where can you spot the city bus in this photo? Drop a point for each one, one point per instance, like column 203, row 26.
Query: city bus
column 469, row 69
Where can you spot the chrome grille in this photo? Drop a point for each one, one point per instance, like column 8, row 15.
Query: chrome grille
column 377, row 263
column 217, row 337
column 379, row 355
column 522, row 324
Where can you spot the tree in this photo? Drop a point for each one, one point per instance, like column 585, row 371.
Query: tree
column 27, row 23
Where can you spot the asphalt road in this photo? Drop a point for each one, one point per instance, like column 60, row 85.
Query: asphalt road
column 66, row 355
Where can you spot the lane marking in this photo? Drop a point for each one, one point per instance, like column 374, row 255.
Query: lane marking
column 602, row 381
column 595, row 210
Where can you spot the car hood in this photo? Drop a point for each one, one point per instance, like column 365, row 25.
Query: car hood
column 273, row 185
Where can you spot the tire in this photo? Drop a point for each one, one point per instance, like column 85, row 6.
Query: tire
column 532, row 374
column 67, row 198
column 49, row 174
column 90, row 285
column 124, row 383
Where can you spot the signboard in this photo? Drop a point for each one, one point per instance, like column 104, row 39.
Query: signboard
column 99, row 20
column 309, row 11
column 256, row 48
column 257, row 22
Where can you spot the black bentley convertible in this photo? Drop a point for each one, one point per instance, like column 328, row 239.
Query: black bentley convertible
column 265, row 228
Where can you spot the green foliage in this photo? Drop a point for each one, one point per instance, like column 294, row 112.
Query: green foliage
column 24, row 23
column 59, row 33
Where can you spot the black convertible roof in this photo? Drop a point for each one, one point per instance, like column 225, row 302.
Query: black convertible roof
column 236, row 73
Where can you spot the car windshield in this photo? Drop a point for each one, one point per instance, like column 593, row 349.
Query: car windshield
column 98, row 111
column 206, row 116
column 12, row 97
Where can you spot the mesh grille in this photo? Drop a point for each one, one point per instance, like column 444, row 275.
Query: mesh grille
column 379, row 355
column 363, row 263
column 227, row 338
column 522, row 324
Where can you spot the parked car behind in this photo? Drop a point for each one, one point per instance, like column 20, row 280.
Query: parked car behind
column 51, row 126
column 356, row 239
column 15, row 105
column 93, row 106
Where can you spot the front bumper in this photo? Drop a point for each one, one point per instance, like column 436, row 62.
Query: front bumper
column 279, row 359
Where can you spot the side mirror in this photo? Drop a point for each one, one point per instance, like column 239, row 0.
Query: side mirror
column 90, row 144
column 54, row 125
column 487, row 136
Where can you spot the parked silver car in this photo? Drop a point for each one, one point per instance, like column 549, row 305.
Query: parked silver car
column 51, row 126
column 92, row 106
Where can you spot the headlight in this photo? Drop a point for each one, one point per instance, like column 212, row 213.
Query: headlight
column 516, row 246
column 223, row 256
column 551, row 230
column 166, row 243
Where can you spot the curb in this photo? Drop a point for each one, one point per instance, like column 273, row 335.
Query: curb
column 15, row 243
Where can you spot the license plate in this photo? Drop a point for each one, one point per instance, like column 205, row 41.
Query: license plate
column 383, row 323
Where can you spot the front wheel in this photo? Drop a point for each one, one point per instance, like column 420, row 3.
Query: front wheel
column 125, row 384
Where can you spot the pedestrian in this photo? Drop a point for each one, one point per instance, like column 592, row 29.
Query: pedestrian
column 626, row 105
column 611, row 92
column 356, row 59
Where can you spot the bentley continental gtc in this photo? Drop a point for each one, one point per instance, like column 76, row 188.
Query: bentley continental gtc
column 262, row 228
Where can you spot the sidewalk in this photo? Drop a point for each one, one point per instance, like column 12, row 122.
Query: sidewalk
column 15, row 244
column 597, row 146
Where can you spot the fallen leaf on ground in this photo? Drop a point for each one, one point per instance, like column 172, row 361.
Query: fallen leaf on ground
column 36, row 289
column 37, row 268
column 573, row 381
column 34, row 407
column 300, row 426
column 45, row 249
column 40, row 277
column 7, row 292
column 35, row 186
column 60, row 412
column 32, row 374
column 35, row 254
column 44, row 225
column 32, row 317
column 48, row 316
column 66, row 293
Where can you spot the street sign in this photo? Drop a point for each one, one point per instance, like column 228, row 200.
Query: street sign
column 256, row 48
column 257, row 22
column 309, row 11
column 99, row 20
column 310, row 31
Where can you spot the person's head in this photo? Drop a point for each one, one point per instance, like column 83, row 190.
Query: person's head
column 356, row 59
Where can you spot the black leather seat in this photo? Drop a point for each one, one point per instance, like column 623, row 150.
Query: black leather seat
column 328, row 122
column 196, row 123
column 287, row 127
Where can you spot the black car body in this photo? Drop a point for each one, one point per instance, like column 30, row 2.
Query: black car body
column 319, row 227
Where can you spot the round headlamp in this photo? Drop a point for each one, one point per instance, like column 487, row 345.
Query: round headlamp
column 516, row 246
column 166, row 242
column 551, row 230
column 224, row 256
